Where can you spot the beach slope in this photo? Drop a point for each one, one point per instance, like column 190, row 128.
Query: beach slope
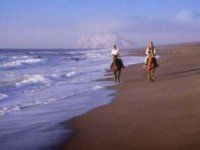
column 164, row 115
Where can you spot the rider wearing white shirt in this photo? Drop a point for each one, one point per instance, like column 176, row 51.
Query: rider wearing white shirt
column 115, row 52
column 150, row 49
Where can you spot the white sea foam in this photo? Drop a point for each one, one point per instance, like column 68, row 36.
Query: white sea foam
column 3, row 96
column 3, row 110
column 17, row 61
column 70, row 74
column 54, row 75
column 32, row 79
column 96, row 87
column 24, row 105
column 7, row 109
column 94, row 55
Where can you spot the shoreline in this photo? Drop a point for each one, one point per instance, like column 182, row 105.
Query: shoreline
column 108, row 77
column 108, row 98
column 131, row 121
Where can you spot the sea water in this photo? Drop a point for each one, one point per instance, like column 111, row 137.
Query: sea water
column 41, row 89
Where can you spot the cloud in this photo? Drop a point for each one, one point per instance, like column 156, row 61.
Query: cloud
column 163, row 31
column 186, row 16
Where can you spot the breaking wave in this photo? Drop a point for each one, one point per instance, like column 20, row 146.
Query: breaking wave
column 3, row 96
column 20, row 60
column 32, row 79
column 12, row 108
column 70, row 74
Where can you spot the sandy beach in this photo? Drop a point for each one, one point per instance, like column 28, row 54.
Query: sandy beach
column 164, row 115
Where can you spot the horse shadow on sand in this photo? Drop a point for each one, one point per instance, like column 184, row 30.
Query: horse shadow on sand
column 182, row 73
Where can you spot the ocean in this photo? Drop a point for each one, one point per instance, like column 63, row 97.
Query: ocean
column 42, row 89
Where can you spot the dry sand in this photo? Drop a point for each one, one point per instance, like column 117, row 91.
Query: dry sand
column 164, row 115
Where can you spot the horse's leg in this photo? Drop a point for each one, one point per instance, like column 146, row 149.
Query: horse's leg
column 153, row 74
column 119, row 75
column 149, row 75
column 115, row 74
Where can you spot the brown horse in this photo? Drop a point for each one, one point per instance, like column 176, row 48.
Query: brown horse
column 116, row 67
column 151, row 66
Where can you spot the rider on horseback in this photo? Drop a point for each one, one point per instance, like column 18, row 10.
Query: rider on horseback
column 115, row 54
column 151, row 51
column 115, row 50
column 151, row 62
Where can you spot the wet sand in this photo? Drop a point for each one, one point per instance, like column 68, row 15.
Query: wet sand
column 164, row 115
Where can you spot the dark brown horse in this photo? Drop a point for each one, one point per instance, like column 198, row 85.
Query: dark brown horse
column 116, row 67
column 151, row 66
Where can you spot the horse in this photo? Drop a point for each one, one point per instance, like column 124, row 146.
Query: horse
column 151, row 66
column 116, row 67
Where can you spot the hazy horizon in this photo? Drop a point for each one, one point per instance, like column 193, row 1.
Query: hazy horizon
column 88, row 48
column 97, row 23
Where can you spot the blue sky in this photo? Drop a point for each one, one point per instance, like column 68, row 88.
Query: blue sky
column 97, row 23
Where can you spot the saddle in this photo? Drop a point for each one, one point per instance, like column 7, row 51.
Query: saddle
column 117, row 62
